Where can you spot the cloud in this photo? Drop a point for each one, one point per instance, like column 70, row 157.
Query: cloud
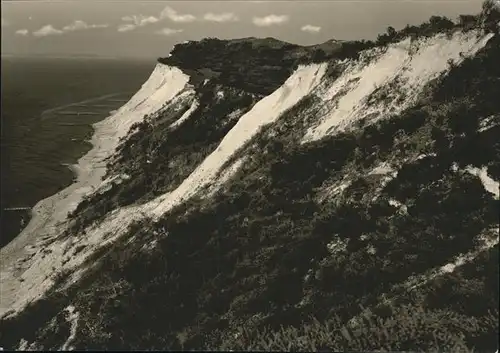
column 22, row 32
column 173, row 16
column 77, row 25
column 310, row 29
column 126, row 28
column 140, row 20
column 82, row 25
column 47, row 30
column 222, row 17
column 270, row 20
column 168, row 31
column 136, row 21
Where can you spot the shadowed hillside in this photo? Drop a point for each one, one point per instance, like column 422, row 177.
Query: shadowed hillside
column 382, row 235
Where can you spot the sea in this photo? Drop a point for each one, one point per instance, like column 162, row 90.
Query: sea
column 48, row 106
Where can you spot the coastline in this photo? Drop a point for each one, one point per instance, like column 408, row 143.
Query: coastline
column 40, row 104
column 49, row 215
column 67, row 179
column 25, row 269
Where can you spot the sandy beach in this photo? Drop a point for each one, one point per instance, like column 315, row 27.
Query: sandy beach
column 49, row 215
column 30, row 260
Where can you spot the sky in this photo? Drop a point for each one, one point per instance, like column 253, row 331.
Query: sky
column 149, row 29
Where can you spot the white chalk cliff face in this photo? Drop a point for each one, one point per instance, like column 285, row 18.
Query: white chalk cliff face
column 28, row 262
column 266, row 111
column 32, row 262
column 22, row 286
column 402, row 69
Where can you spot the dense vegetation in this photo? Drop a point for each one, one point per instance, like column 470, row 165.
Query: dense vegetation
column 263, row 265
column 259, row 69
column 157, row 157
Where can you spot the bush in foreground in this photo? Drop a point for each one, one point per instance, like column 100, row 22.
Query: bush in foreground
column 408, row 328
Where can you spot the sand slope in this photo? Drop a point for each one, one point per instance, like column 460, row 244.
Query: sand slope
column 407, row 67
column 39, row 271
column 23, row 257
column 401, row 71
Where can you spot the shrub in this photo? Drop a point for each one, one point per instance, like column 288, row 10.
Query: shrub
column 409, row 328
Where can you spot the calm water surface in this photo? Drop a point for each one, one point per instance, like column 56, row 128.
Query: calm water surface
column 43, row 129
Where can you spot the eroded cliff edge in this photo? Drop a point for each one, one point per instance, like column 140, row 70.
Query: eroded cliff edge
column 365, row 178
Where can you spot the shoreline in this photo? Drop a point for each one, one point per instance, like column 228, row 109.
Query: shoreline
column 67, row 180
column 48, row 217
column 50, row 213
column 36, row 254
column 12, row 226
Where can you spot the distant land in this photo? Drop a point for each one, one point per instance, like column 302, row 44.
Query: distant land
column 70, row 56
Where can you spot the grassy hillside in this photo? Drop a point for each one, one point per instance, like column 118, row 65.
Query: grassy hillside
column 276, row 261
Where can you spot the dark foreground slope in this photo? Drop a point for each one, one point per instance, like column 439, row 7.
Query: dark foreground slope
column 263, row 265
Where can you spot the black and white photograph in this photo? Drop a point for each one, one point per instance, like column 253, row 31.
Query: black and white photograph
column 302, row 175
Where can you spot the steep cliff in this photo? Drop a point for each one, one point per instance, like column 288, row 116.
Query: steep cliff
column 268, row 196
